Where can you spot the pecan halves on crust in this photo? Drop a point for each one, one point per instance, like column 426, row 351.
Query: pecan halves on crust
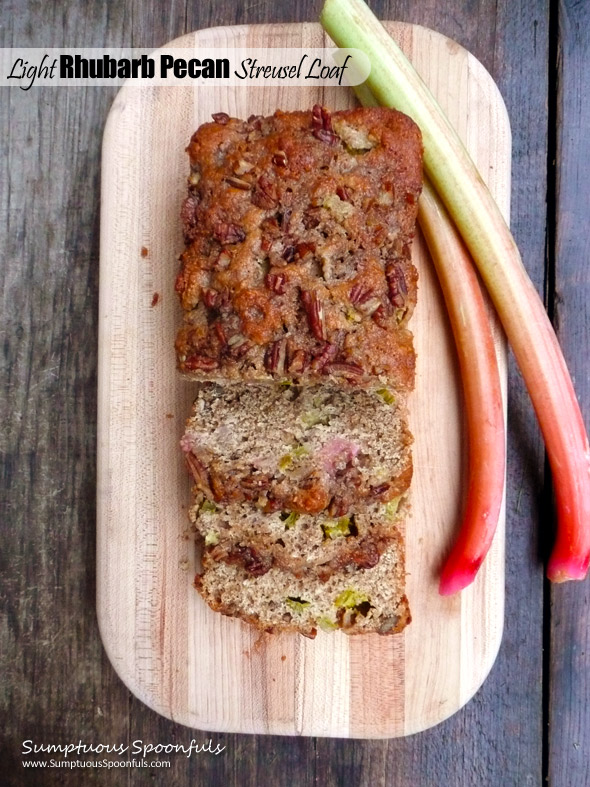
column 188, row 217
column 264, row 195
column 238, row 183
column 225, row 232
column 346, row 369
column 321, row 125
column 360, row 294
column 314, row 308
column 275, row 282
column 199, row 474
column 209, row 297
column 326, row 355
column 274, row 359
column 201, row 363
column 396, row 283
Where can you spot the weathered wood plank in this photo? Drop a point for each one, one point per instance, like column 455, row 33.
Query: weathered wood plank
column 57, row 683
column 569, row 709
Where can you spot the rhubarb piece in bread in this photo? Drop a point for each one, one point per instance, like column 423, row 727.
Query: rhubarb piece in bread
column 301, row 449
column 300, row 543
column 297, row 263
column 356, row 601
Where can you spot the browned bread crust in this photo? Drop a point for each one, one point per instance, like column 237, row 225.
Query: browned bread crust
column 297, row 262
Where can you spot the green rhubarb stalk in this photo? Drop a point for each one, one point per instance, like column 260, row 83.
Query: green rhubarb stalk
column 395, row 83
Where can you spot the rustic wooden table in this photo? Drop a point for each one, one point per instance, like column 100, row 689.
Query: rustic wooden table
column 531, row 719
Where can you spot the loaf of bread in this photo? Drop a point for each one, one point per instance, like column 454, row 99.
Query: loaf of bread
column 295, row 449
column 297, row 285
column 297, row 262
column 355, row 601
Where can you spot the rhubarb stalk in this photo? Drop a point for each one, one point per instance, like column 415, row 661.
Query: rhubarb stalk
column 482, row 393
column 395, row 83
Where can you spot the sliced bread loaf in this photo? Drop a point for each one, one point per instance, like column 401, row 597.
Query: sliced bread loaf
column 298, row 449
column 356, row 601
column 302, row 544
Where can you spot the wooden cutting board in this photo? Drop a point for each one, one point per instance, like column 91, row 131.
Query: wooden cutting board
column 188, row 663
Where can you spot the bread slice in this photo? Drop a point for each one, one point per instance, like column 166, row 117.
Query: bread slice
column 302, row 544
column 297, row 264
column 306, row 450
column 355, row 601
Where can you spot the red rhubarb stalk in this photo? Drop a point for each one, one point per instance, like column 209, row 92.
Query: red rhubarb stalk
column 394, row 82
column 482, row 393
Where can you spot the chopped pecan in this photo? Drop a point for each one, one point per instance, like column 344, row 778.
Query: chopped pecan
column 360, row 293
column 346, row 369
column 198, row 362
column 264, row 195
column 382, row 314
column 224, row 301
column 289, row 253
column 256, row 121
column 344, row 193
column 188, row 215
column 346, row 617
column 338, row 507
column 305, row 248
column 321, row 118
column 256, row 482
column 280, row 158
column 243, row 166
column 396, row 284
column 326, row 355
column 220, row 333
column 223, row 260
column 275, row 282
column 326, row 136
column 274, row 358
column 321, row 124
column 298, row 362
column 380, row 489
column 311, row 218
column 238, row 345
column 238, row 183
column 199, row 473
column 315, row 313
column 225, row 232
column 265, row 243
column 272, row 505
column 209, row 297
column 222, row 118
column 284, row 219
column 250, row 559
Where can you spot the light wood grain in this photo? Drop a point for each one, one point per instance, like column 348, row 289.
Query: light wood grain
column 180, row 658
